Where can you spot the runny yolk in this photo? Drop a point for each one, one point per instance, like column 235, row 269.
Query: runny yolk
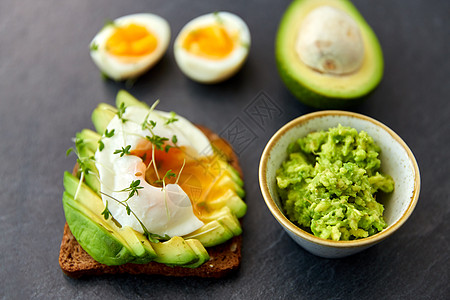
column 199, row 178
column 211, row 42
column 131, row 40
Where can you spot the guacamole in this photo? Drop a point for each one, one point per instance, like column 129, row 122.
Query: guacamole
column 329, row 181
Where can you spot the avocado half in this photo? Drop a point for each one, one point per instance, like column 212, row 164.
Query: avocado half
column 315, row 88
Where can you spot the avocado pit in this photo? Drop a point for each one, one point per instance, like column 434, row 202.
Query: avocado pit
column 329, row 41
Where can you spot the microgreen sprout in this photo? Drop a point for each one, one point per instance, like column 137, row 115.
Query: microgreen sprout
column 169, row 174
column 219, row 19
column 132, row 190
column 121, row 111
column 152, row 237
column 109, row 22
column 123, row 151
column 93, row 47
column 83, row 163
column 108, row 134
column 172, row 118
column 157, row 140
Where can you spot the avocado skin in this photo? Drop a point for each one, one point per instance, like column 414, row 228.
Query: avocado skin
column 311, row 98
column 316, row 98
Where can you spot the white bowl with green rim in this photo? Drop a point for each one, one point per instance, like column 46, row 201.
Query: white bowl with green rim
column 397, row 160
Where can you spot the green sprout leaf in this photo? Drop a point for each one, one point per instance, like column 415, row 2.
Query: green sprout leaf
column 106, row 213
column 132, row 189
column 123, row 151
column 157, row 141
column 172, row 118
column 93, row 47
column 109, row 134
column 70, row 150
column 101, row 145
column 169, row 174
column 121, row 111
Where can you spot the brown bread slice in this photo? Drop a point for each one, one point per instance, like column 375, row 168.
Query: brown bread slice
column 224, row 258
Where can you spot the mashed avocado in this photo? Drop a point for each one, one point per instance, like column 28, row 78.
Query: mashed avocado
column 329, row 181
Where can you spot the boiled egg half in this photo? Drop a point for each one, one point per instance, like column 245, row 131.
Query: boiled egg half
column 212, row 47
column 130, row 45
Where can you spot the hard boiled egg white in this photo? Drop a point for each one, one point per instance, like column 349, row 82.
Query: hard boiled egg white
column 130, row 45
column 212, row 47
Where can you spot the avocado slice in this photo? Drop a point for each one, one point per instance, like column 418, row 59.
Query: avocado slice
column 86, row 149
column 129, row 100
column 200, row 251
column 334, row 82
column 211, row 234
column 226, row 218
column 93, row 203
column 90, row 139
column 102, row 115
column 231, row 200
column 96, row 237
column 90, row 178
column 175, row 252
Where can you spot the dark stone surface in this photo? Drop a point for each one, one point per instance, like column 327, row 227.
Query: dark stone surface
column 49, row 86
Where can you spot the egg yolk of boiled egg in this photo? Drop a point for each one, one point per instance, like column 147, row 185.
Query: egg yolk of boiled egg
column 212, row 47
column 130, row 45
column 131, row 40
column 212, row 42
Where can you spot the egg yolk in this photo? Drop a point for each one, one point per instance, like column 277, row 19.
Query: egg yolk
column 212, row 42
column 198, row 177
column 131, row 40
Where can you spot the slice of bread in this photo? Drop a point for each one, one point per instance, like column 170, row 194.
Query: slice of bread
column 224, row 258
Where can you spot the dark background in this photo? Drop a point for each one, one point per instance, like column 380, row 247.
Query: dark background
column 49, row 87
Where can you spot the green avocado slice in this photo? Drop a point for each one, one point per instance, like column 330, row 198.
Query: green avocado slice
column 96, row 237
column 93, row 203
column 102, row 115
column 230, row 199
column 318, row 89
column 128, row 100
column 175, row 252
column 89, row 139
column 211, row 234
column 200, row 251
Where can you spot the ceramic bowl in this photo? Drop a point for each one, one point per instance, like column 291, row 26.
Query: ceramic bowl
column 397, row 160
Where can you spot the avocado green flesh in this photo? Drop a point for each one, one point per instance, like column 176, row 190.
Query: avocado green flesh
column 102, row 115
column 321, row 90
column 230, row 199
column 128, row 100
column 200, row 251
column 174, row 252
column 98, row 241
column 226, row 218
column 211, row 234
column 329, row 181
column 131, row 245
column 93, row 205
column 90, row 139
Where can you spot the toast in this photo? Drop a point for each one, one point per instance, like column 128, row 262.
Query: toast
column 224, row 258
